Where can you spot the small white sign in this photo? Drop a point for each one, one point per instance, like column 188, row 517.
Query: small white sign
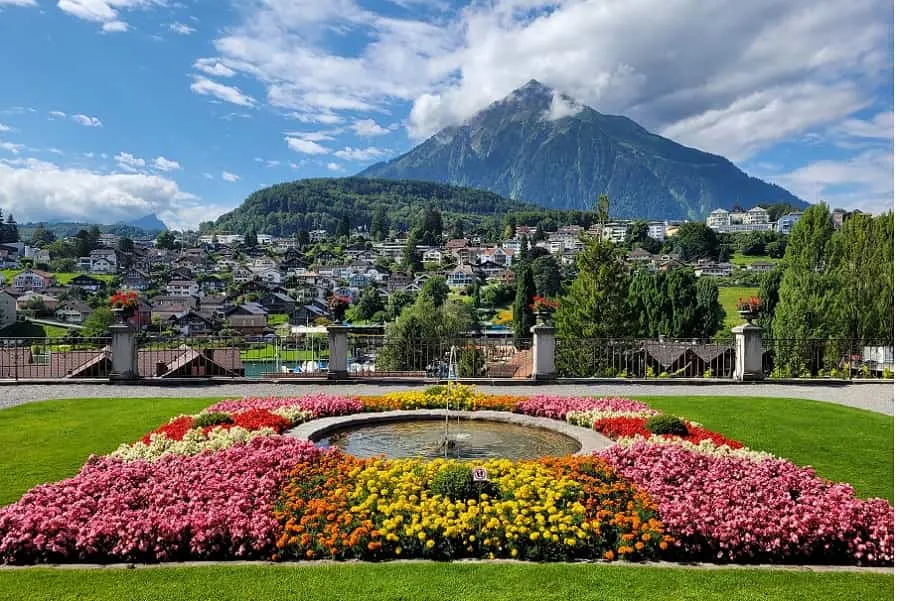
column 479, row 474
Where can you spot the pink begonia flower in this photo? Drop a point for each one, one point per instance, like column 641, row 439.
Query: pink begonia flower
column 746, row 510
column 557, row 407
column 215, row 505
column 320, row 405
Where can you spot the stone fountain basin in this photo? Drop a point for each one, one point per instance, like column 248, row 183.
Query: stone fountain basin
column 315, row 430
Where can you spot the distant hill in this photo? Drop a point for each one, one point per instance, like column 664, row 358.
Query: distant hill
column 540, row 146
column 310, row 204
column 148, row 223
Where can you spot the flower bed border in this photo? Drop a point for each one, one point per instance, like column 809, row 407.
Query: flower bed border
column 314, row 430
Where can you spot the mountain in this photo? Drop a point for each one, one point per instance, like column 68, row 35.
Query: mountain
column 310, row 204
column 541, row 146
column 149, row 223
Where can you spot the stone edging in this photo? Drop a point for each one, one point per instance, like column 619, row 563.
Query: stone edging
column 316, row 429
column 331, row 563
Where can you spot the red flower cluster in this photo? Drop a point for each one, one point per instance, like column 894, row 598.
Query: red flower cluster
column 256, row 419
column 539, row 303
column 174, row 430
column 124, row 300
column 622, row 427
column 626, row 427
column 752, row 304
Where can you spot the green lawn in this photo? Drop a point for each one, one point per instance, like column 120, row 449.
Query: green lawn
column 728, row 298
column 61, row 277
column 741, row 260
column 841, row 443
column 440, row 582
column 277, row 319
column 266, row 352
column 50, row 441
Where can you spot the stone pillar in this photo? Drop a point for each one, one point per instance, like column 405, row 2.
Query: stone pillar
column 748, row 352
column 543, row 351
column 124, row 353
column 337, row 352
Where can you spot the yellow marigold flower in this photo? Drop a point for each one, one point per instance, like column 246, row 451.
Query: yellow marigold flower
column 429, row 544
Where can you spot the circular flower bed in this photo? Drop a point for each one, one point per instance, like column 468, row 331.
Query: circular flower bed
column 226, row 484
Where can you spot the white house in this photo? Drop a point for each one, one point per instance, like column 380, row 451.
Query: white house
column 32, row 279
column 183, row 288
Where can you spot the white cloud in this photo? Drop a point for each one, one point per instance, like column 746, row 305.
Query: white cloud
column 361, row 154
column 105, row 12
column 334, row 167
column 115, row 26
column 208, row 175
column 18, row 3
column 561, row 107
column 164, row 164
column 368, row 127
column 230, row 177
column 57, row 115
column 880, row 127
column 207, row 87
column 760, row 119
column 129, row 162
column 11, row 147
column 181, row 28
column 5, row 127
column 211, row 66
column 87, row 121
column 40, row 191
column 305, row 146
column 326, row 118
column 864, row 181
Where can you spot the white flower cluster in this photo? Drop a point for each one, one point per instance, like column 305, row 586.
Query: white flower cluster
column 704, row 447
column 293, row 414
column 587, row 419
column 193, row 443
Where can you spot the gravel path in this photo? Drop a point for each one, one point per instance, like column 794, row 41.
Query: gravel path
column 872, row 396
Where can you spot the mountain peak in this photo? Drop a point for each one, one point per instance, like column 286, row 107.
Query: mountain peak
column 539, row 145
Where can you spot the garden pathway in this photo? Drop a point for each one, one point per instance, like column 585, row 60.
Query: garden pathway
column 872, row 396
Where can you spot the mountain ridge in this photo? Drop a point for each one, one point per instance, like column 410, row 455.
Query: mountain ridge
column 539, row 145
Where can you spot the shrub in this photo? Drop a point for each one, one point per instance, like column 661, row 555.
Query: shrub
column 666, row 424
column 212, row 419
column 455, row 482
column 887, row 374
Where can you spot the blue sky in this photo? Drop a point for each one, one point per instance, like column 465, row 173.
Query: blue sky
column 112, row 109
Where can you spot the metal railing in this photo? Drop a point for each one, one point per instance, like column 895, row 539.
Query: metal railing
column 641, row 358
column 828, row 358
column 473, row 357
column 251, row 357
column 54, row 359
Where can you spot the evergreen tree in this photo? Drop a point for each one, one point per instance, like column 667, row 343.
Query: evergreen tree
column 805, row 308
column 436, row 290
column 343, row 230
column 596, row 304
column 523, row 316
column 10, row 230
column 379, row 229
column 251, row 240
column 476, row 295
column 711, row 313
column 523, row 249
column 41, row 235
column 458, row 231
column 862, row 266
column 302, row 238
column 165, row 240
column 547, row 276
column 768, row 298
column 696, row 241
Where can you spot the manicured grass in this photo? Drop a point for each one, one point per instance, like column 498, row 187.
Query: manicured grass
column 728, row 298
column 843, row 444
column 440, row 581
column 50, row 441
column 277, row 319
column 741, row 259
column 63, row 277
column 266, row 352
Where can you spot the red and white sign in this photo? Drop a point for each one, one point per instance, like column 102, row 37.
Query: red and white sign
column 479, row 474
